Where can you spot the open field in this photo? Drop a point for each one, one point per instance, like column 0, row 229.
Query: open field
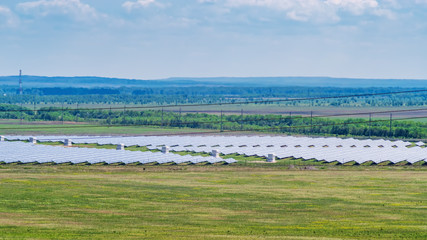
column 303, row 110
column 222, row 202
column 12, row 127
column 56, row 128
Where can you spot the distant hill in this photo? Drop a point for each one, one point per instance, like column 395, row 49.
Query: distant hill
column 311, row 82
column 78, row 82
column 101, row 82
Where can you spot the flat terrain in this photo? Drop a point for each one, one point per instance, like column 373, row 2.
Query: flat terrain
column 13, row 127
column 212, row 202
column 280, row 109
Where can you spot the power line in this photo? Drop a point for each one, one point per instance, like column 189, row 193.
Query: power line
column 282, row 128
column 228, row 103
column 241, row 120
column 237, row 131
column 293, row 117
column 180, row 123
column 216, row 131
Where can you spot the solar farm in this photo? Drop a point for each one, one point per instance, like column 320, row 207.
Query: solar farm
column 320, row 149
column 201, row 187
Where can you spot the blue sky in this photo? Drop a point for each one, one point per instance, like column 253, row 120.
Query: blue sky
column 150, row 39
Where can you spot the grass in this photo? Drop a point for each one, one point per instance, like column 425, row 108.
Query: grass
column 215, row 202
column 282, row 108
column 87, row 129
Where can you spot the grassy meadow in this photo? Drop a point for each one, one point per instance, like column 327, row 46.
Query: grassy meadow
column 46, row 128
column 278, row 108
column 212, row 202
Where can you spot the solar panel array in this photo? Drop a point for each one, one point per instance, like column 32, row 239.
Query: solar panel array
column 322, row 149
column 20, row 152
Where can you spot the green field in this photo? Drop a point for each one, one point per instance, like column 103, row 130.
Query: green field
column 46, row 128
column 281, row 109
column 211, row 202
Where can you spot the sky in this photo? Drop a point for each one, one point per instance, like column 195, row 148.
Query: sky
column 153, row 39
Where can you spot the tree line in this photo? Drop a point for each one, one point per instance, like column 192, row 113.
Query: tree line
column 264, row 123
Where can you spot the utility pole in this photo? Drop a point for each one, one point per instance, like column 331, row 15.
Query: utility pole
column 77, row 112
column 62, row 114
column 222, row 129
column 290, row 123
column 162, row 117
column 109, row 117
column 180, row 122
column 391, row 125
column 124, row 114
column 20, row 90
column 241, row 120
column 370, row 122
column 21, row 112
column 34, row 112
column 311, row 122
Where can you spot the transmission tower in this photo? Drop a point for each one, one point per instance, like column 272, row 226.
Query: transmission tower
column 20, row 83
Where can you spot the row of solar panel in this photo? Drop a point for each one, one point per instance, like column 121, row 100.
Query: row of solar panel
column 227, row 141
column 343, row 154
column 28, row 153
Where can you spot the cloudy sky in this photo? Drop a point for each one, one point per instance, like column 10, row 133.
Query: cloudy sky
column 149, row 39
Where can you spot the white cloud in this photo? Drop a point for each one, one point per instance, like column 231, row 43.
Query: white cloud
column 7, row 18
column 356, row 7
column 304, row 10
column 129, row 5
column 75, row 8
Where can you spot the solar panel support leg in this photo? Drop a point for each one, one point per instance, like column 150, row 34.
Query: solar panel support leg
column 271, row 158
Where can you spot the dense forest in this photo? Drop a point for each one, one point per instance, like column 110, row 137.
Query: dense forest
column 262, row 123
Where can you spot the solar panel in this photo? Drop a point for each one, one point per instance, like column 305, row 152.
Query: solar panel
column 14, row 152
column 327, row 149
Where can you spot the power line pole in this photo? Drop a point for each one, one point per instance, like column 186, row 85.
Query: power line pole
column 124, row 114
column 370, row 123
column 21, row 112
column 162, row 117
column 34, row 112
column 241, row 120
column 21, row 92
column 222, row 129
column 290, row 122
column 311, row 122
column 77, row 112
column 180, row 122
column 62, row 114
column 109, row 117
column 391, row 125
